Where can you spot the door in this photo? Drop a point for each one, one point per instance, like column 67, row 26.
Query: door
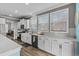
column 55, row 47
column 48, row 45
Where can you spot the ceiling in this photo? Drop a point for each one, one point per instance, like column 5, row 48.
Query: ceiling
column 22, row 9
column 17, row 9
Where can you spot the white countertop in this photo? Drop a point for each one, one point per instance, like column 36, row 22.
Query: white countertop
column 59, row 37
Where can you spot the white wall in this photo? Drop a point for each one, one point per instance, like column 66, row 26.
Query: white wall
column 33, row 21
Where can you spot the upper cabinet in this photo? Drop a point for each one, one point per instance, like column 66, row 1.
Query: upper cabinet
column 43, row 23
column 3, row 26
column 28, row 23
column 24, row 24
column 59, row 20
column 2, row 21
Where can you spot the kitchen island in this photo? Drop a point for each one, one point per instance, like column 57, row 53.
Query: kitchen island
column 9, row 47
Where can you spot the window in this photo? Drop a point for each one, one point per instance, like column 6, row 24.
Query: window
column 59, row 21
column 43, row 23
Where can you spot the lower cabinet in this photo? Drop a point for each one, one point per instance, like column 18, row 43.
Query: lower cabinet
column 41, row 43
column 29, row 39
column 58, row 47
column 45, row 44
column 48, row 45
column 55, row 47
column 67, row 49
column 63, row 48
column 26, row 38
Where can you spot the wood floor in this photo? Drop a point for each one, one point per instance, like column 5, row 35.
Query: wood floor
column 31, row 51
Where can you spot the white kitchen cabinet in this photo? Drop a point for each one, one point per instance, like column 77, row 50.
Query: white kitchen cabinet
column 2, row 26
column 55, row 47
column 29, row 39
column 6, row 26
column 2, row 20
column 26, row 38
column 62, row 47
column 48, row 45
column 2, row 29
column 67, row 49
column 41, row 43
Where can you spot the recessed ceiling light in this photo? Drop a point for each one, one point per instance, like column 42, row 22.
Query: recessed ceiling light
column 26, row 3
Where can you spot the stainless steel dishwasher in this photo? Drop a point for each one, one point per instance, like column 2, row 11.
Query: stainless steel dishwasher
column 35, row 41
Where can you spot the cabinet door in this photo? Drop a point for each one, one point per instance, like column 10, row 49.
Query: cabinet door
column 26, row 38
column 2, row 29
column 23, row 38
column 48, row 45
column 29, row 39
column 2, row 20
column 67, row 49
column 41, row 43
column 55, row 47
